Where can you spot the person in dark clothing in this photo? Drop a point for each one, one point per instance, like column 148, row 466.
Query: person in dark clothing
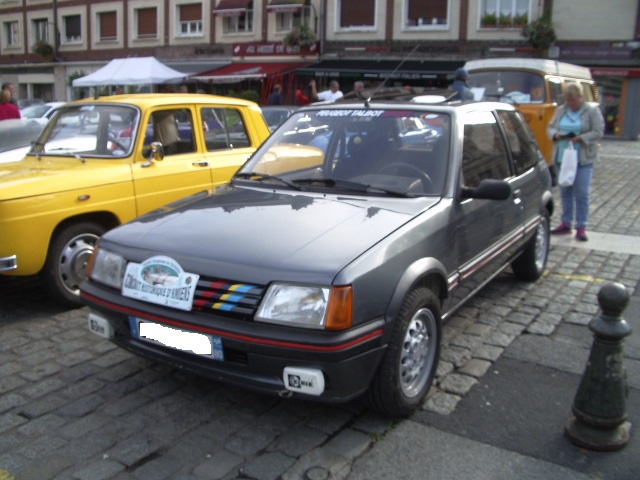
column 276, row 96
column 463, row 92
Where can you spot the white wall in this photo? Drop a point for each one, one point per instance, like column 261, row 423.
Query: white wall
column 594, row 20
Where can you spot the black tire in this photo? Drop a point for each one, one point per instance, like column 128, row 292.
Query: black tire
column 67, row 261
column 410, row 362
column 530, row 265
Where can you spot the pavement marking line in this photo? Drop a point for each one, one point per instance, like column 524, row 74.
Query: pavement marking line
column 613, row 155
column 582, row 278
column 608, row 242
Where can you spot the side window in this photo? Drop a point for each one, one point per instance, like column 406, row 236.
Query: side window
column 224, row 129
column 587, row 92
column 172, row 128
column 523, row 149
column 483, row 150
column 555, row 90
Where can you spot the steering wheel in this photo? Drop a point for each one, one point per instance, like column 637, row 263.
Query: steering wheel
column 117, row 143
column 427, row 183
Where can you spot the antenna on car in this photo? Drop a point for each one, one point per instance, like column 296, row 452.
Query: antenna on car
column 366, row 102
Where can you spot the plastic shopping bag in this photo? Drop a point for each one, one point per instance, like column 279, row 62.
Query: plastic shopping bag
column 568, row 167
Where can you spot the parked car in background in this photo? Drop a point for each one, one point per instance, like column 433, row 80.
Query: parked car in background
column 16, row 137
column 94, row 168
column 324, row 269
column 275, row 115
column 40, row 112
column 26, row 102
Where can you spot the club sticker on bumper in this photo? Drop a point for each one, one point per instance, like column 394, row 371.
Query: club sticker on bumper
column 162, row 281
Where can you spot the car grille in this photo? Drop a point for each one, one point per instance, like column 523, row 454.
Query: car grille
column 221, row 297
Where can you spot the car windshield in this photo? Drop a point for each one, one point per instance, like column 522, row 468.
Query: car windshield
column 90, row 130
column 376, row 151
column 509, row 86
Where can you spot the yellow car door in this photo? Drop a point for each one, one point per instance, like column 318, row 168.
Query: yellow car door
column 169, row 161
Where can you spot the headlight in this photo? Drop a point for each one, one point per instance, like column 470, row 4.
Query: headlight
column 107, row 268
column 307, row 306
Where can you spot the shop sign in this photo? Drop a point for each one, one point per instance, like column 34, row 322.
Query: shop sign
column 616, row 72
column 596, row 52
column 272, row 48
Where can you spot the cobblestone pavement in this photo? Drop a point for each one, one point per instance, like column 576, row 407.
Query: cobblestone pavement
column 74, row 406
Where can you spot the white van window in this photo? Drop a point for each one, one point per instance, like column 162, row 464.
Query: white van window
column 509, row 86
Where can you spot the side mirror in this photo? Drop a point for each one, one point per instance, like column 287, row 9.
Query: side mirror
column 156, row 152
column 488, row 189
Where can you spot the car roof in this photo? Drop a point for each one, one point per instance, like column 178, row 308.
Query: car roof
column 414, row 102
column 148, row 100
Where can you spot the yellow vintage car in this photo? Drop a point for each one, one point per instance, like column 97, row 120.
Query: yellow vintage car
column 102, row 162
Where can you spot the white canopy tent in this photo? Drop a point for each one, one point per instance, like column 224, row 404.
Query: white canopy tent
column 130, row 71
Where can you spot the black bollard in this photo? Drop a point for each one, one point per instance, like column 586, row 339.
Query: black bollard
column 600, row 421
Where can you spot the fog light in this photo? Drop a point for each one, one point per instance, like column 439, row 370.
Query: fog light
column 303, row 380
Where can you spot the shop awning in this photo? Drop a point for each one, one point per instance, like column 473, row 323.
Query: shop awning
column 382, row 69
column 192, row 67
column 229, row 8
column 238, row 72
column 285, row 5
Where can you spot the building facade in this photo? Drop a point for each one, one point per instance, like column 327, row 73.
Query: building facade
column 228, row 45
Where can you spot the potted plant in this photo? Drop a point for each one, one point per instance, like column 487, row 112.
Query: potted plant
column 42, row 48
column 300, row 36
column 489, row 20
column 505, row 21
column 520, row 20
column 540, row 33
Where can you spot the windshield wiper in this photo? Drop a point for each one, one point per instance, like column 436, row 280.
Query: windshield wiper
column 350, row 186
column 265, row 176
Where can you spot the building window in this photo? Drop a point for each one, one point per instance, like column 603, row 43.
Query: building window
column 241, row 23
column 421, row 14
column 190, row 20
column 72, row 28
column 287, row 20
column 107, row 26
column 11, row 34
column 146, row 23
column 504, row 13
column 357, row 14
column 40, row 30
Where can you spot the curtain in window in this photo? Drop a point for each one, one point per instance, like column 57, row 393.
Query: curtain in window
column 108, row 25
column 355, row 14
column 147, row 22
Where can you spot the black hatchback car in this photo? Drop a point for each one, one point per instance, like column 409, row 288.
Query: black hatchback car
column 325, row 268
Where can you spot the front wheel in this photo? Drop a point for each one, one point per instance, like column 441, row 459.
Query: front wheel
column 410, row 362
column 530, row 265
column 67, row 261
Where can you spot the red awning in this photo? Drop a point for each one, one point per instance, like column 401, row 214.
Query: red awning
column 237, row 72
column 226, row 8
column 285, row 5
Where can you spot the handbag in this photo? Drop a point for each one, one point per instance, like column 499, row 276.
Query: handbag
column 568, row 167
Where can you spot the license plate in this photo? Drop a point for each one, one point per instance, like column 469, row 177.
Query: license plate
column 193, row 342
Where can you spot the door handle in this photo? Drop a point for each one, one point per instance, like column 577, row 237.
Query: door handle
column 204, row 163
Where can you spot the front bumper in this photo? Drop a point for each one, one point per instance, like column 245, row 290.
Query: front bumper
column 255, row 356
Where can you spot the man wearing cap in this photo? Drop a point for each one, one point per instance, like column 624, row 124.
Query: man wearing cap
column 463, row 92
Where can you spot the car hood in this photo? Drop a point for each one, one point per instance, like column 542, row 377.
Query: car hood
column 32, row 177
column 262, row 235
